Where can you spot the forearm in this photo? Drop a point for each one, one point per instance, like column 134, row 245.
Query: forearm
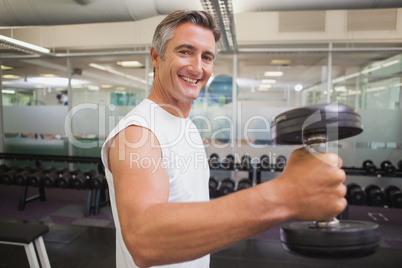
column 176, row 232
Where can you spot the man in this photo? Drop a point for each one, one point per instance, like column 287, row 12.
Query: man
column 161, row 208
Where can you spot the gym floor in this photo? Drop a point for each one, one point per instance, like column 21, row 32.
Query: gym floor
column 74, row 244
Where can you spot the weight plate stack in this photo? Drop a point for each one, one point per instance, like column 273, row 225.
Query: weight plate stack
column 290, row 127
column 348, row 239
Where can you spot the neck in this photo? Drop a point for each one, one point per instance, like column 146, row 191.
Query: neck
column 173, row 106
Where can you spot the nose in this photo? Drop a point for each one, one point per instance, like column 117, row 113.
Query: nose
column 196, row 65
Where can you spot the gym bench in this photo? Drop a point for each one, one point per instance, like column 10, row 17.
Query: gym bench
column 28, row 235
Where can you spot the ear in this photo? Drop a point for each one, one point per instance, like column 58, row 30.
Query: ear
column 155, row 57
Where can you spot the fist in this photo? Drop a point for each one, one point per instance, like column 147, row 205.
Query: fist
column 313, row 185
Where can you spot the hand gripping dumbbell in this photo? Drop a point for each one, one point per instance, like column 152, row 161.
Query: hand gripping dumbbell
column 314, row 126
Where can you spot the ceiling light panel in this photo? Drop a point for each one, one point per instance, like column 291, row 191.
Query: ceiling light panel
column 130, row 64
column 22, row 46
column 273, row 74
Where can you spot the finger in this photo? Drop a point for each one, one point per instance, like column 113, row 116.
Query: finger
column 340, row 162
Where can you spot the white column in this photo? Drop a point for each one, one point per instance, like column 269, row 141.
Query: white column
column 70, row 103
column 1, row 114
column 329, row 74
column 234, row 104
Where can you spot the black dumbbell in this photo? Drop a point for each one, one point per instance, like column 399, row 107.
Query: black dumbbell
column 90, row 173
column 79, row 180
column 265, row 162
column 227, row 163
column 313, row 126
column 214, row 162
column 76, row 172
column 35, row 178
column 389, row 169
column 8, row 176
column 355, row 195
column 369, row 167
column 244, row 184
column 98, row 182
column 245, row 162
column 4, row 168
column 280, row 163
column 394, row 196
column 213, row 187
column 375, row 196
column 49, row 179
column 399, row 164
column 64, row 180
column 21, row 178
column 226, row 187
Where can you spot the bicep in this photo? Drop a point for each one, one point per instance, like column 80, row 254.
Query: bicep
column 135, row 161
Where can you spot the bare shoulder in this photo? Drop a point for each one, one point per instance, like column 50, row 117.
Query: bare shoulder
column 129, row 144
column 135, row 160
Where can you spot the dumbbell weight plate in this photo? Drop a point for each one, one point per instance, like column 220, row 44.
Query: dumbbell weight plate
column 367, row 163
column 214, row 162
column 265, row 162
column 394, row 196
column 348, row 239
column 280, row 162
column 385, row 163
column 290, row 127
column 245, row 162
column 228, row 162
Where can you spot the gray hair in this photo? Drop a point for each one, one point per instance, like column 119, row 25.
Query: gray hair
column 164, row 31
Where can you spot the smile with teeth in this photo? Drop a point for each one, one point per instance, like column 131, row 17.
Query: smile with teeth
column 189, row 80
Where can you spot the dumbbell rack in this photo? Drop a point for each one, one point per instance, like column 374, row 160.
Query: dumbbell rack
column 370, row 176
column 235, row 172
column 95, row 197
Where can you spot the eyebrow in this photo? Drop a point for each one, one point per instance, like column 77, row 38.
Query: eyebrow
column 191, row 47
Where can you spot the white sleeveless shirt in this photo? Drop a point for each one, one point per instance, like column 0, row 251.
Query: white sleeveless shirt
column 184, row 159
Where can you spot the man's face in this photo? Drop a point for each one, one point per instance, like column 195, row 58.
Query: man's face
column 187, row 63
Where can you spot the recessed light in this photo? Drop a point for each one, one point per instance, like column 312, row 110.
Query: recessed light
column 6, row 68
column 11, row 76
column 273, row 74
column 268, row 81
column 130, row 64
column 49, row 75
column 8, row 91
column 280, row 62
column 264, row 88
column 298, row 87
column 341, row 89
column 92, row 87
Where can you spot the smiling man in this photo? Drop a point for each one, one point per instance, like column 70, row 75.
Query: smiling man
column 161, row 207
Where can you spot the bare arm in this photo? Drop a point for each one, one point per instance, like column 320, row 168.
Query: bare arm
column 157, row 232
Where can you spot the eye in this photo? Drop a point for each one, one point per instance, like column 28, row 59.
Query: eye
column 184, row 52
column 207, row 58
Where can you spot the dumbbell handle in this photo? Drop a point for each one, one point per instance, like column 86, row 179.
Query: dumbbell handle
column 315, row 141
